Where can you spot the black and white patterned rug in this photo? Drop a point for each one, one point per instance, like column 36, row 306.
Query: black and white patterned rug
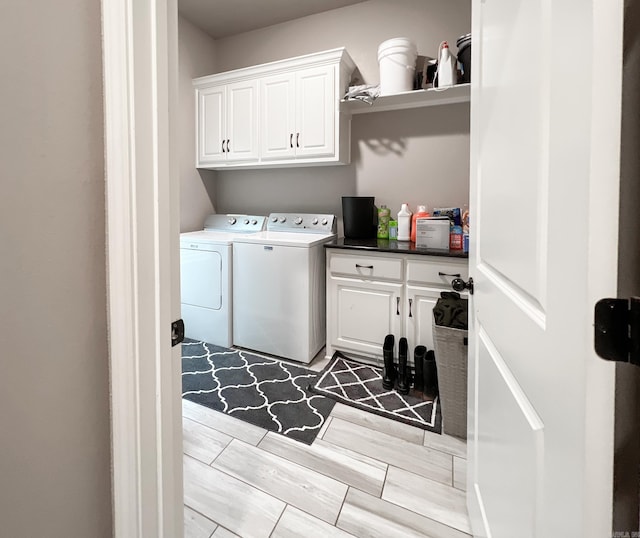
column 264, row 391
column 360, row 385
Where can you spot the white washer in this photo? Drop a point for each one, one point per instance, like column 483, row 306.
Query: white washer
column 279, row 286
column 206, row 276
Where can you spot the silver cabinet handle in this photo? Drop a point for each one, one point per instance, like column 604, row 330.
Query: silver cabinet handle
column 228, row 150
column 297, row 140
column 223, row 150
column 455, row 275
column 364, row 266
column 397, row 306
column 291, row 140
column 410, row 303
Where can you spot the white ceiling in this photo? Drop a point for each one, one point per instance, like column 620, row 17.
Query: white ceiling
column 221, row 18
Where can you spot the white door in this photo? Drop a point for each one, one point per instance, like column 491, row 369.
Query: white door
column 278, row 116
column 242, row 121
column 315, row 112
column 211, row 125
column 545, row 121
column 140, row 48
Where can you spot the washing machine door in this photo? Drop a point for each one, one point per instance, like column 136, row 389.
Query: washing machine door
column 201, row 278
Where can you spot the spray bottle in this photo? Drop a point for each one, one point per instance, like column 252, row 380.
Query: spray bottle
column 447, row 72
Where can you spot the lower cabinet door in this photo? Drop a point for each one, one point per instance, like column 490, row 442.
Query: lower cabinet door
column 362, row 313
column 419, row 304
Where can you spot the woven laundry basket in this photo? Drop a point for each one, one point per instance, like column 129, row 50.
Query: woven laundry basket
column 451, row 362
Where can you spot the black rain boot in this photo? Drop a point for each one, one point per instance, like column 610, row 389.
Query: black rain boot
column 418, row 359
column 430, row 375
column 403, row 370
column 389, row 371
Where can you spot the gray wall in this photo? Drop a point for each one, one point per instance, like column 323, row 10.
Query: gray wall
column 196, row 57
column 54, row 375
column 419, row 156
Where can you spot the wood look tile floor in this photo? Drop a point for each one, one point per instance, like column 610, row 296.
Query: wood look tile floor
column 363, row 476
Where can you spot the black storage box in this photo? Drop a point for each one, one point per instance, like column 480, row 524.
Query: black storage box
column 360, row 217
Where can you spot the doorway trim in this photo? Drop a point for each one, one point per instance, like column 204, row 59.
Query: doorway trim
column 140, row 99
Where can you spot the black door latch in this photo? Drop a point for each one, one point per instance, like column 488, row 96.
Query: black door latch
column 177, row 332
column 617, row 330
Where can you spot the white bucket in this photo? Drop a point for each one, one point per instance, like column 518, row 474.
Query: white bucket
column 397, row 60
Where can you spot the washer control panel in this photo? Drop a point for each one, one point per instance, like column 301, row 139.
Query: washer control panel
column 302, row 222
column 234, row 223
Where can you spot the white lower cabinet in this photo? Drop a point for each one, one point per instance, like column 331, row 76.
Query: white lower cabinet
column 352, row 325
column 420, row 302
column 372, row 295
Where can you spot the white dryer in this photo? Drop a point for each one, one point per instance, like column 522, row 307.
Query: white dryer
column 279, row 286
column 206, row 276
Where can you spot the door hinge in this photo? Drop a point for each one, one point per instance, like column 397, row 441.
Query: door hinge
column 617, row 330
column 177, row 332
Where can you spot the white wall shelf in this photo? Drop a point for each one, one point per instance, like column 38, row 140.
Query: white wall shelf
column 414, row 99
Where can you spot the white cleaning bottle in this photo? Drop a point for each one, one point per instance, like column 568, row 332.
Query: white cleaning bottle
column 404, row 223
column 447, row 73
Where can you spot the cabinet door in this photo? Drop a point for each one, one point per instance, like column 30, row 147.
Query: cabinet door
column 419, row 308
column 419, row 304
column 362, row 313
column 242, row 121
column 315, row 112
column 277, row 113
column 211, row 105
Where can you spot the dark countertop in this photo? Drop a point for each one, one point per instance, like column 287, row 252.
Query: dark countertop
column 385, row 245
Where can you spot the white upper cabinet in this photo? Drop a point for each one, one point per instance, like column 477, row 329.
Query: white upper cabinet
column 298, row 114
column 278, row 116
column 285, row 113
column 242, row 121
column 210, row 137
column 315, row 112
column 227, row 120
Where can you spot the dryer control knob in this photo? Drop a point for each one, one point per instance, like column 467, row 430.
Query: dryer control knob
column 274, row 219
column 283, row 219
column 325, row 222
column 298, row 220
column 254, row 222
column 246, row 221
column 315, row 221
column 232, row 220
